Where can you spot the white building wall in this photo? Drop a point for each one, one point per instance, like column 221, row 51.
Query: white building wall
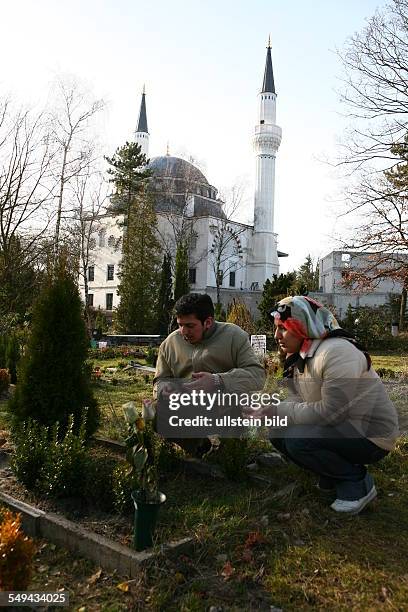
column 107, row 240
column 335, row 265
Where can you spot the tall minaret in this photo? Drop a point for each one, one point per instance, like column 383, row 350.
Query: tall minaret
column 264, row 261
column 141, row 133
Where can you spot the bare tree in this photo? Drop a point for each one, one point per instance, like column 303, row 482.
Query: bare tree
column 376, row 96
column 91, row 196
column 380, row 235
column 73, row 141
column 375, row 90
column 24, row 195
column 175, row 197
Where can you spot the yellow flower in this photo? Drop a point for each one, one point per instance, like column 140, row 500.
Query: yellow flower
column 140, row 424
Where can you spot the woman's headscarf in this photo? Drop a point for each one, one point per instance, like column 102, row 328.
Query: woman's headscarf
column 305, row 317
column 309, row 320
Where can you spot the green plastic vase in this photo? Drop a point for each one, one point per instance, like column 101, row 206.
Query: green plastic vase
column 146, row 513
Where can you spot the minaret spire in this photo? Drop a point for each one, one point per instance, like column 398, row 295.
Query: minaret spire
column 268, row 85
column 142, row 132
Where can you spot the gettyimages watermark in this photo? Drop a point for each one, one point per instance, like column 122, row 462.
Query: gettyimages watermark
column 199, row 413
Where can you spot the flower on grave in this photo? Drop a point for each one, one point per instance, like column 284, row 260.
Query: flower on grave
column 143, row 446
column 140, row 424
column 130, row 412
column 148, row 410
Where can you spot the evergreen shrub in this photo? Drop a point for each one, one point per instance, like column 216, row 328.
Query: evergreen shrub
column 65, row 470
column 32, row 449
column 232, row 456
column 122, row 486
column 54, row 380
column 12, row 357
column 372, row 327
column 151, row 355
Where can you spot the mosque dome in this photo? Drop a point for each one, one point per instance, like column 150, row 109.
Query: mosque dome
column 167, row 166
column 173, row 178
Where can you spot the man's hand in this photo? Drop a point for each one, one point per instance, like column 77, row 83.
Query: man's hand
column 201, row 381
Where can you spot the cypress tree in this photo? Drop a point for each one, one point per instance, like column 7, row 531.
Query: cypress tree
column 139, row 272
column 12, row 357
column 165, row 301
column 3, row 345
column 181, row 284
column 54, row 381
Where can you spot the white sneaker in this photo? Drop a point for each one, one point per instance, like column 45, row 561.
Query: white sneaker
column 354, row 506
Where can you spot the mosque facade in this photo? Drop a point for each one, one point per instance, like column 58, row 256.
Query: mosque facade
column 236, row 257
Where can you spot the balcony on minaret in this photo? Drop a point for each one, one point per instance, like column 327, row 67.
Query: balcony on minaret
column 267, row 138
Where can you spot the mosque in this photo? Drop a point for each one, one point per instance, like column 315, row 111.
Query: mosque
column 235, row 257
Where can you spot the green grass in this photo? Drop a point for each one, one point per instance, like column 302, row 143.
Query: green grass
column 252, row 550
column 131, row 385
column 302, row 557
column 398, row 363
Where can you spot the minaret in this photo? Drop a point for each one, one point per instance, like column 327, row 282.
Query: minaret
column 264, row 260
column 141, row 133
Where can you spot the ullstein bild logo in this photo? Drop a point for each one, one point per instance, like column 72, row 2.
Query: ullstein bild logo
column 228, row 421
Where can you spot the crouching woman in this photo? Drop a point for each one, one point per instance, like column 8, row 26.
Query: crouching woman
column 340, row 418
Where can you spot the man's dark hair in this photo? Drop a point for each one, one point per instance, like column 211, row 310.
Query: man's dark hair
column 198, row 304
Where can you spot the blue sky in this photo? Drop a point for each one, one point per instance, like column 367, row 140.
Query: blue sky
column 203, row 62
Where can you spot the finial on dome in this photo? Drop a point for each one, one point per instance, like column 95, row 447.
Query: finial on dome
column 168, row 149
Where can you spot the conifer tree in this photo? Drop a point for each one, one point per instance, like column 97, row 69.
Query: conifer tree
column 181, row 283
column 128, row 172
column 54, row 381
column 3, row 348
column 165, row 301
column 139, row 275
column 307, row 278
column 12, row 357
column 273, row 291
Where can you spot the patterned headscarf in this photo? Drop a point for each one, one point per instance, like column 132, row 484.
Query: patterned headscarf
column 309, row 320
column 305, row 317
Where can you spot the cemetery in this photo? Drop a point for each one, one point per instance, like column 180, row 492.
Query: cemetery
column 204, row 358
column 244, row 517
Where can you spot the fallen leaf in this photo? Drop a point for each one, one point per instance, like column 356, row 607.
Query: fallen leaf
column 254, row 538
column 384, row 594
column 247, row 555
column 95, row 577
column 179, row 577
column 227, row 570
column 123, row 586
